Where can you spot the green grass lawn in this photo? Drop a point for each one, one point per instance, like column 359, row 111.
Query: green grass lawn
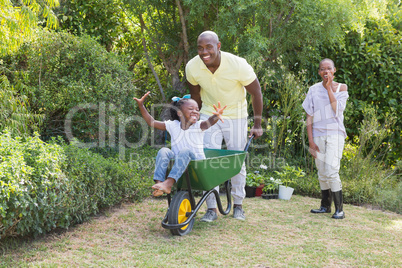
column 276, row 233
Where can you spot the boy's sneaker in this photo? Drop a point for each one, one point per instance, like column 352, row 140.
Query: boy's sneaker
column 238, row 213
column 209, row 216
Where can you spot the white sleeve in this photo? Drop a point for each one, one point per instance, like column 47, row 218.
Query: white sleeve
column 169, row 126
column 341, row 102
column 308, row 104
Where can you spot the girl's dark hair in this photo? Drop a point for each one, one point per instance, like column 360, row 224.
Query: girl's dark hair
column 174, row 108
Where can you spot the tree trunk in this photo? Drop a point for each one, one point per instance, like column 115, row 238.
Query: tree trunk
column 144, row 44
column 184, row 31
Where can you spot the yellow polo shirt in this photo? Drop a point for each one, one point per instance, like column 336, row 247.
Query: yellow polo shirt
column 225, row 85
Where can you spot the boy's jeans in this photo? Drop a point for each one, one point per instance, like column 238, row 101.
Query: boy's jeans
column 180, row 164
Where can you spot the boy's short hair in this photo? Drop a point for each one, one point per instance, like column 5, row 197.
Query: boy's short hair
column 326, row 59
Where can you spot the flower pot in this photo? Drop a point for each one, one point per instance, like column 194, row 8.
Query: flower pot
column 250, row 191
column 285, row 193
column 258, row 191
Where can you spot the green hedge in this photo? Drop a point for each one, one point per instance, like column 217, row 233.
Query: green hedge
column 60, row 71
column 48, row 185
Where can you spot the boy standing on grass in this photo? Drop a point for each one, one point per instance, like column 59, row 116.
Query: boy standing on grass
column 324, row 105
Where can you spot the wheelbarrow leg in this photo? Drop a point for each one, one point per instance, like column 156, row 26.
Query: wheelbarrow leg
column 229, row 199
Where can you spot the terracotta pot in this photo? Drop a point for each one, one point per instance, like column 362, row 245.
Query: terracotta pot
column 258, row 191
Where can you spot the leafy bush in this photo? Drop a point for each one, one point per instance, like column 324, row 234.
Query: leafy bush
column 49, row 185
column 33, row 187
column 388, row 195
column 283, row 116
column 362, row 170
column 15, row 111
column 62, row 73
column 289, row 175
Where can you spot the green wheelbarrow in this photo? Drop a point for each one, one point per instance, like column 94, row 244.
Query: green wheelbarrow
column 218, row 168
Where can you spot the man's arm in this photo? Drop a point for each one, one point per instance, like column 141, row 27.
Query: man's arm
column 256, row 99
column 195, row 93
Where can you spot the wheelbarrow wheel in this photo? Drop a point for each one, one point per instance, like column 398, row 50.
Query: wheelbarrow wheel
column 179, row 210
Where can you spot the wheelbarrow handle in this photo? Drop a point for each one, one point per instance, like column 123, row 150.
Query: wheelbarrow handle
column 248, row 143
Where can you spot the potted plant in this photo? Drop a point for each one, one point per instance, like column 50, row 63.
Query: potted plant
column 271, row 188
column 253, row 180
column 288, row 176
column 259, row 179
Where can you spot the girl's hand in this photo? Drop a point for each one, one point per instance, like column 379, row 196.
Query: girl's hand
column 141, row 101
column 219, row 110
column 313, row 149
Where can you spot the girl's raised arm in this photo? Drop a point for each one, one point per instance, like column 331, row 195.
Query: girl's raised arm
column 148, row 118
column 214, row 118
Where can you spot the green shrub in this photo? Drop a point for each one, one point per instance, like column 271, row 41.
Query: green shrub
column 289, row 175
column 32, row 186
column 63, row 72
column 389, row 195
column 362, row 168
column 48, row 185
column 283, row 114
column 15, row 111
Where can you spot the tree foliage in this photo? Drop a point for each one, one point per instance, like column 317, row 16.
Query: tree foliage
column 62, row 72
column 103, row 20
column 15, row 112
column 271, row 35
column 18, row 19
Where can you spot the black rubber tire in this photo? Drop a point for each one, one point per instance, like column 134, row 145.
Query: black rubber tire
column 178, row 208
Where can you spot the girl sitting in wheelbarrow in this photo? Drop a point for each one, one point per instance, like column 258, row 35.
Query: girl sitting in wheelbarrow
column 187, row 135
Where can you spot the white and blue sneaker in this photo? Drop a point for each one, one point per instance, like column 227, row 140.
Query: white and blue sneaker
column 238, row 213
column 209, row 216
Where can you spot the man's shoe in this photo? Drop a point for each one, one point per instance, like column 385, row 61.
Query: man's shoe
column 209, row 216
column 321, row 210
column 238, row 213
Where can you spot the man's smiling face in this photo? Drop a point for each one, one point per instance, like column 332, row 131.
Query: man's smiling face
column 209, row 50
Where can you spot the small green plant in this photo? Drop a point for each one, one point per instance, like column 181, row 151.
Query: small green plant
column 290, row 174
column 254, row 179
column 271, row 185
